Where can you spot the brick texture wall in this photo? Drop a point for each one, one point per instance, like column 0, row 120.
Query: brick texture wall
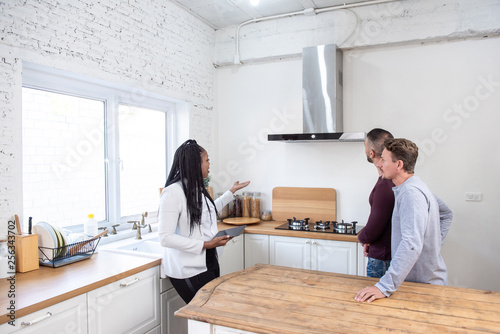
column 152, row 46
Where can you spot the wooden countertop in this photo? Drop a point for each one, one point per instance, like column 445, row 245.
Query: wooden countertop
column 47, row 286
column 273, row 299
column 268, row 227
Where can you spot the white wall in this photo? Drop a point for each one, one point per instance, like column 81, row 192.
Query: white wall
column 149, row 46
column 410, row 90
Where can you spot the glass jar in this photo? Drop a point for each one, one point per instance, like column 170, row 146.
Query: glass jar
column 247, row 197
column 237, row 206
column 266, row 215
column 255, row 206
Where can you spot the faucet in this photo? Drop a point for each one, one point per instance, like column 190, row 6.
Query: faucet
column 134, row 227
column 143, row 220
column 138, row 234
column 114, row 228
column 103, row 228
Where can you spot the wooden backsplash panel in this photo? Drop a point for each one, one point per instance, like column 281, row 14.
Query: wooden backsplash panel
column 314, row 203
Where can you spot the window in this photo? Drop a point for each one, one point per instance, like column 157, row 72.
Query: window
column 63, row 157
column 93, row 147
column 142, row 155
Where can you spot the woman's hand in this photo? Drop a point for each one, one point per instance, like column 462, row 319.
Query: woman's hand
column 237, row 186
column 216, row 242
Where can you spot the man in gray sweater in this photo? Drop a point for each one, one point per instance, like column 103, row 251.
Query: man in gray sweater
column 420, row 222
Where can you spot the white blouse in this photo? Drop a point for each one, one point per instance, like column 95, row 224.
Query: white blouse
column 183, row 253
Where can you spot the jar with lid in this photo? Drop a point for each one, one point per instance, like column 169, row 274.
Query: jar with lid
column 255, row 211
column 237, row 206
column 266, row 215
column 245, row 212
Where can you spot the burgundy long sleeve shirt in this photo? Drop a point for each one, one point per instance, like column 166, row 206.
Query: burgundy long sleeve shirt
column 377, row 231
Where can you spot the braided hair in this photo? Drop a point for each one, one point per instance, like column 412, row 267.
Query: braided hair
column 187, row 168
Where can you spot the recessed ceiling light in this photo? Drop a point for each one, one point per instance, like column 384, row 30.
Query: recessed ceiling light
column 254, row 2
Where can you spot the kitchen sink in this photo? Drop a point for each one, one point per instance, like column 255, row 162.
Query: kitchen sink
column 145, row 246
column 149, row 247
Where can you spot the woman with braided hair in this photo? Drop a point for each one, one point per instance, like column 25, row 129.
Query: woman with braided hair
column 188, row 221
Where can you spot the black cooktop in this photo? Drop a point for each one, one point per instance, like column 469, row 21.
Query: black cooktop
column 320, row 226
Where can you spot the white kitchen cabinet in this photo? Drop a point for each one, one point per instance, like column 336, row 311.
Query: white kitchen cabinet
column 256, row 249
column 198, row 327
column 290, row 252
column 316, row 254
column 69, row 316
column 362, row 261
column 232, row 257
column 170, row 303
column 130, row 305
column 334, row 256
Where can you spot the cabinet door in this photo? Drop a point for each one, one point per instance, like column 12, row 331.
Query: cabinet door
column 131, row 305
column 232, row 258
column 256, row 249
column 334, row 256
column 170, row 324
column 69, row 316
column 362, row 261
column 290, row 252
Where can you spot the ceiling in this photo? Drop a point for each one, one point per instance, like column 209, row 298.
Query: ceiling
column 224, row 13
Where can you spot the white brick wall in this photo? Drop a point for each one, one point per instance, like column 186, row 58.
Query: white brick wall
column 10, row 148
column 148, row 45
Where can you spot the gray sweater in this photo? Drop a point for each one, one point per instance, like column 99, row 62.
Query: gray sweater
column 420, row 222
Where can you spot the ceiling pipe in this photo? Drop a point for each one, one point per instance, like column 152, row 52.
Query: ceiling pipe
column 307, row 12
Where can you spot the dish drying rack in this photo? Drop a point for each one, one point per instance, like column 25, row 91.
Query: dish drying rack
column 71, row 253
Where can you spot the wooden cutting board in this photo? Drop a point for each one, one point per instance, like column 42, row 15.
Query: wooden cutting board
column 314, row 203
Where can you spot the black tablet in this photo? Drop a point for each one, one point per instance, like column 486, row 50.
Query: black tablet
column 232, row 232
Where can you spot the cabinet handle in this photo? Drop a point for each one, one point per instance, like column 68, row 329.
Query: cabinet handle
column 129, row 283
column 315, row 243
column 32, row 322
column 308, row 242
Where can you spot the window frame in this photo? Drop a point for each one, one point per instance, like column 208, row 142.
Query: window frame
column 40, row 77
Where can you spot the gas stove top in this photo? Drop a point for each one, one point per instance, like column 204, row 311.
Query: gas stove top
column 320, row 226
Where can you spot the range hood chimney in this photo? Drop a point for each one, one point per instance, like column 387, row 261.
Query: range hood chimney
column 321, row 98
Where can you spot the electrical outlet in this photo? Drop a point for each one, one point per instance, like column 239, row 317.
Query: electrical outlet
column 473, row 196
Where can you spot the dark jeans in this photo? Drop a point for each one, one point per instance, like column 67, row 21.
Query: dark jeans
column 376, row 268
column 188, row 287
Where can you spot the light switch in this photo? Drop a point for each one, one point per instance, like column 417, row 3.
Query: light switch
column 473, row 196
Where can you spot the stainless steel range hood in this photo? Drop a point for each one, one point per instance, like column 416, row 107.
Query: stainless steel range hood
column 322, row 98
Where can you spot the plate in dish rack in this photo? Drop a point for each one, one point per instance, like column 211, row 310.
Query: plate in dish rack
column 241, row 220
column 46, row 238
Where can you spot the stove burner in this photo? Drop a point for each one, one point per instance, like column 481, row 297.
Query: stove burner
column 320, row 226
column 345, row 228
column 299, row 225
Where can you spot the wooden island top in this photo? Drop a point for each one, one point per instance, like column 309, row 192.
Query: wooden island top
column 273, row 299
column 46, row 286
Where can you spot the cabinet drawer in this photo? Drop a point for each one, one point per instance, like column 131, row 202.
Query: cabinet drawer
column 130, row 305
column 69, row 316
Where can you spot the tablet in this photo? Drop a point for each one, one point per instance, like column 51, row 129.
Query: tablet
column 232, row 232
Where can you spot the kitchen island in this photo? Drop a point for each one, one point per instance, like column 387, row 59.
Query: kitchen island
column 274, row 299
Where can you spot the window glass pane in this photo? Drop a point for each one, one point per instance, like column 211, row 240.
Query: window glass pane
column 142, row 153
column 63, row 158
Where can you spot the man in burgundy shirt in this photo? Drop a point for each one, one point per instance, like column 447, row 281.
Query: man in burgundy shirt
column 376, row 235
